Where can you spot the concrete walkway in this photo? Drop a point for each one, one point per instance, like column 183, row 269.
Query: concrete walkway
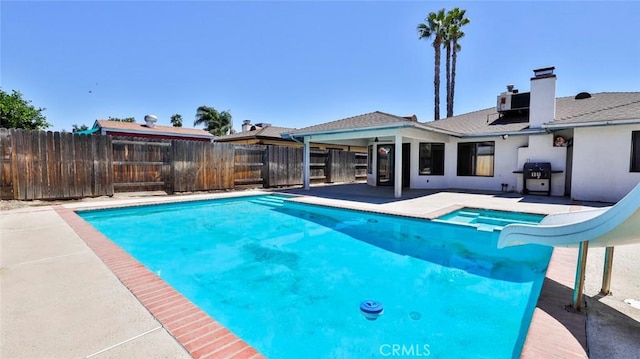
column 59, row 300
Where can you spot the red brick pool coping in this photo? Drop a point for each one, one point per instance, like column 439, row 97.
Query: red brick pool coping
column 197, row 332
column 554, row 332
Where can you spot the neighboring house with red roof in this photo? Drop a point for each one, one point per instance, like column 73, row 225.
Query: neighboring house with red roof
column 587, row 145
column 150, row 130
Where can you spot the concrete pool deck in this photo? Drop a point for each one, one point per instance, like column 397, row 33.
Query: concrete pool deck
column 62, row 294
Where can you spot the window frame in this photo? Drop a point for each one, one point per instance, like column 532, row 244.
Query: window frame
column 473, row 156
column 634, row 157
column 431, row 150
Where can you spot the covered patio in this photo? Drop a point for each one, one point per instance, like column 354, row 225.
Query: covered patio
column 387, row 137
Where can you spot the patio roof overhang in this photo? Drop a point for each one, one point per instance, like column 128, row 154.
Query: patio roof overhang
column 362, row 135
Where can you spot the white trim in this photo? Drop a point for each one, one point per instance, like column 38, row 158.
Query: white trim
column 592, row 124
column 369, row 128
column 419, row 126
column 397, row 167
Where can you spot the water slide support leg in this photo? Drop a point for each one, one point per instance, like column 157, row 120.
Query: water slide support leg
column 578, row 287
column 606, row 273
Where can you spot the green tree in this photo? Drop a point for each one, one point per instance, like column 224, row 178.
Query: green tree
column 455, row 21
column 217, row 123
column 126, row 119
column 176, row 120
column 77, row 128
column 434, row 27
column 16, row 112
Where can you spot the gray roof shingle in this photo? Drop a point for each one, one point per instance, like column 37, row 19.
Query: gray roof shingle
column 371, row 119
column 604, row 106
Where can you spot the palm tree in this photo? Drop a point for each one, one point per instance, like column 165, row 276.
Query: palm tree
column 217, row 123
column 434, row 26
column 455, row 21
column 176, row 120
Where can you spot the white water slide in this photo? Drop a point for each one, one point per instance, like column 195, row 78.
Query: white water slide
column 601, row 227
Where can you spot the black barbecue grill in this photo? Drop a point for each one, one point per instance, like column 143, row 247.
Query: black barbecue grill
column 536, row 171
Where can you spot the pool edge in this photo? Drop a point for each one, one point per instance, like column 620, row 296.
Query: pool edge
column 197, row 332
column 548, row 335
column 556, row 332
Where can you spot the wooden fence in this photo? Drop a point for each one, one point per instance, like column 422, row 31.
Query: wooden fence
column 141, row 164
column 249, row 165
column 201, row 166
column 52, row 165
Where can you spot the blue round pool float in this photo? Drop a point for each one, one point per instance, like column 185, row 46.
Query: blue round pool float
column 371, row 309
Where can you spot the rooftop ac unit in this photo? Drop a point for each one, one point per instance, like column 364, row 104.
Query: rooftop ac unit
column 513, row 101
column 504, row 102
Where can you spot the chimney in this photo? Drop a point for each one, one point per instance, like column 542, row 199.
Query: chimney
column 150, row 120
column 246, row 125
column 542, row 108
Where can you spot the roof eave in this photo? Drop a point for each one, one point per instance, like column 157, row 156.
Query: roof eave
column 156, row 133
column 524, row 132
column 558, row 126
column 369, row 128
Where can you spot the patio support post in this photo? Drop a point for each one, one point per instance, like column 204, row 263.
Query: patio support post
column 606, row 274
column 578, row 287
column 306, row 172
column 397, row 170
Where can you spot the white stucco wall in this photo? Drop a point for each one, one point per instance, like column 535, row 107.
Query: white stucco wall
column 601, row 161
column 543, row 101
column 541, row 149
column 505, row 162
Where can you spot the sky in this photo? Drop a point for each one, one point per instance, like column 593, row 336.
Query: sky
column 299, row 63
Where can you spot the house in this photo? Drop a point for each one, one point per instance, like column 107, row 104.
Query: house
column 258, row 134
column 585, row 146
column 150, row 130
column 266, row 134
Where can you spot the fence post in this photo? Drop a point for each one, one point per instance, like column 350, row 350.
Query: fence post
column 266, row 180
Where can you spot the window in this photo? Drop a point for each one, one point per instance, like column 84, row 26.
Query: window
column 370, row 159
column 431, row 160
column 635, row 151
column 476, row 158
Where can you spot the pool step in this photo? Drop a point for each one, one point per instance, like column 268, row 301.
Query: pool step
column 271, row 201
column 500, row 221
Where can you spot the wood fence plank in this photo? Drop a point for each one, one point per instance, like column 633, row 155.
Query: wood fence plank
column 87, row 162
column 109, row 159
column 6, row 167
column 63, row 155
column 49, row 183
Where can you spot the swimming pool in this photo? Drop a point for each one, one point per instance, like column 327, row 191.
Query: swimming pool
column 488, row 219
column 288, row 278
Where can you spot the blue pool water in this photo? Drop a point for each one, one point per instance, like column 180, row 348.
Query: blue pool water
column 288, row 278
column 487, row 219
